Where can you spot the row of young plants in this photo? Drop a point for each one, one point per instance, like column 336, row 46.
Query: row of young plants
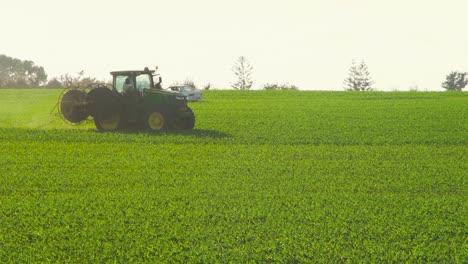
column 265, row 177
column 106, row 202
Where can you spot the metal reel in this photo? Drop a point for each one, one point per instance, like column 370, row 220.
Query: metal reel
column 72, row 106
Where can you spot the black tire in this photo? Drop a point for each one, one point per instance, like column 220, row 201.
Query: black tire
column 157, row 120
column 185, row 122
column 113, row 123
column 103, row 103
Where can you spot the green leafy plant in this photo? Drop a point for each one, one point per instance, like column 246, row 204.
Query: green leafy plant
column 269, row 176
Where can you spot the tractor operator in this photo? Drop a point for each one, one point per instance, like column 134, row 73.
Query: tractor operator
column 128, row 87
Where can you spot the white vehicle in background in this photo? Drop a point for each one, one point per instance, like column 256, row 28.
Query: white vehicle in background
column 189, row 91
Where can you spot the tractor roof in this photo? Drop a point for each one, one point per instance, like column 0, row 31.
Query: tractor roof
column 146, row 71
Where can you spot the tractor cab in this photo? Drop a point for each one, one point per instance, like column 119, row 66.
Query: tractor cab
column 135, row 82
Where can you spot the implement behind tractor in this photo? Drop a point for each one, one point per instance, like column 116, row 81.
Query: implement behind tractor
column 135, row 99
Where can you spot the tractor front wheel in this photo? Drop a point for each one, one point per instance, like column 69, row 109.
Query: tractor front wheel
column 157, row 120
column 112, row 123
column 185, row 124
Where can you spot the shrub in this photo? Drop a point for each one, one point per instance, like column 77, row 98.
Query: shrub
column 275, row 86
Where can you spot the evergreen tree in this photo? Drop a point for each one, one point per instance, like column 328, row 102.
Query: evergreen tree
column 243, row 70
column 359, row 78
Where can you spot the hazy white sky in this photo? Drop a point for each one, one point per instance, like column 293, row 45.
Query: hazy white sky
column 308, row 43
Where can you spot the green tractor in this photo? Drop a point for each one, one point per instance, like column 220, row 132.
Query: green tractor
column 135, row 99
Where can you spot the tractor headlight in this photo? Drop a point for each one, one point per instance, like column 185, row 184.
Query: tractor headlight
column 180, row 97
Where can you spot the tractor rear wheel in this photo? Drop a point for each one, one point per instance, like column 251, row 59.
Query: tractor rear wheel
column 113, row 123
column 157, row 120
column 103, row 103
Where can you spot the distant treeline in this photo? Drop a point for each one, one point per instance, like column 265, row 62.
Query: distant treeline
column 16, row 73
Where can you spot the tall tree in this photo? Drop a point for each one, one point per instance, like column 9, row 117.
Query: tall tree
column 359, row 78
column 455, row 81
column 16, row 73
column 243, row 71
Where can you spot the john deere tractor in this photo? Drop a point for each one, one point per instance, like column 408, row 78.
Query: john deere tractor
column 135, row 99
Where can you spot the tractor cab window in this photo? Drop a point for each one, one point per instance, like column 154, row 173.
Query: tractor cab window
column 123, row 83
column 143, row 81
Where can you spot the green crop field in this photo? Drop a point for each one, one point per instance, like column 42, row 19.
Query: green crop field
column 266, row 176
